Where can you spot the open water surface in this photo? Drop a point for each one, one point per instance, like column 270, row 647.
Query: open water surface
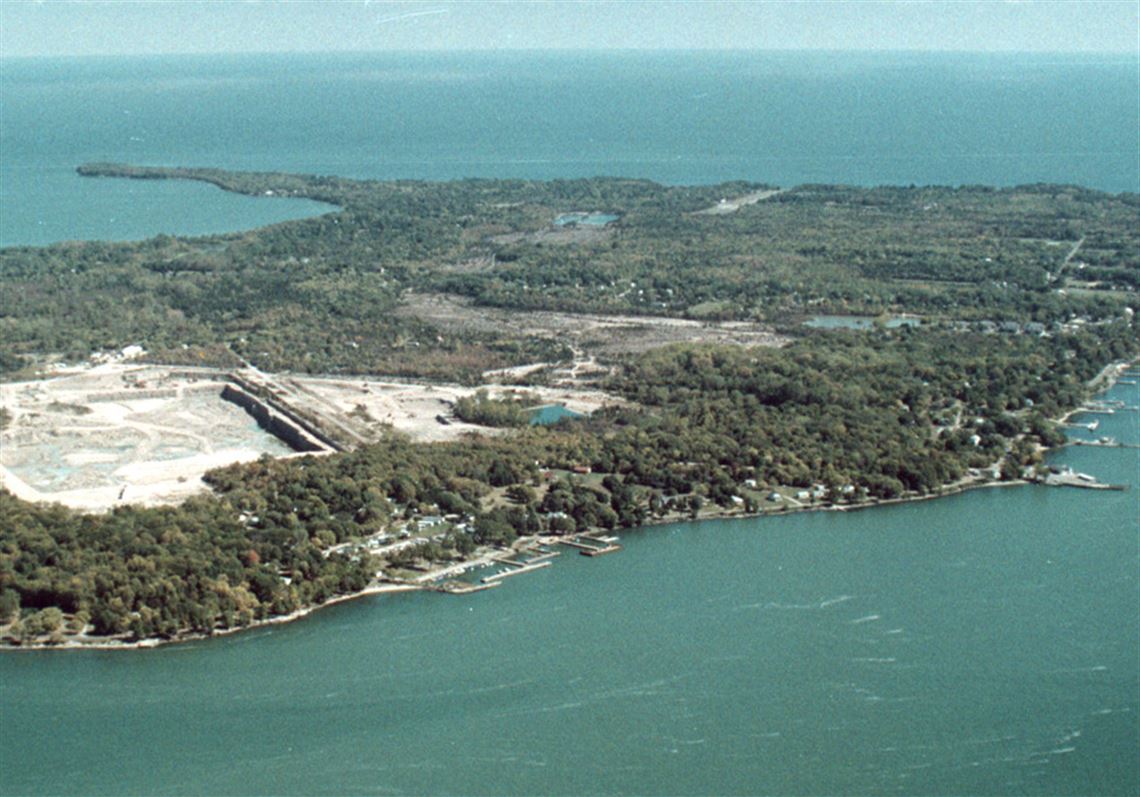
column 782, row 118
column 986, row 643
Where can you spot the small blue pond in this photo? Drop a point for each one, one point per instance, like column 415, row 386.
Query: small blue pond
column 551, row 414
column 592, row 219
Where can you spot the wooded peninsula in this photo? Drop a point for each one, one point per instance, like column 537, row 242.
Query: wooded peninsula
column 759, row 349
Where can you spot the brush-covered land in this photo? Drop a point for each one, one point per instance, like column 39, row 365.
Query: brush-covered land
column 1012, row 299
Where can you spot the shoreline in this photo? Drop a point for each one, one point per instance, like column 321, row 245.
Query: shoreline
column 425, row 583
column 1105, row 380
column 113, row 643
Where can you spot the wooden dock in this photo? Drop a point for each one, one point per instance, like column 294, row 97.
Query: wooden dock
column 1103, row 444
column 597, row 546
column 462, row 587
column 542, row 557
column 607, row 540
column 507, row 560
column 600, row 551
column 1091, row 425
column 1080, row 480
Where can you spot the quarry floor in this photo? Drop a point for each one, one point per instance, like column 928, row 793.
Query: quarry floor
column 94, row 437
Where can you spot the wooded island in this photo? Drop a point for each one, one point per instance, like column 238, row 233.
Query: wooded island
column 951, row 328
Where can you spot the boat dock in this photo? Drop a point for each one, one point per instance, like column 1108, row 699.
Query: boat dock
column 600, row 551
column 542, row 556
column 1103, row 443
column 596, row 547
column 1106, row 407
column 537, row 556
column 519, row 568
column 461, row 587
column 1091, row 426
column 1069, row 478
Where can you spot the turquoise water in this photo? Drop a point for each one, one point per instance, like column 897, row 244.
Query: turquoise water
column 985, row 644
column 552, row 414
column 783, row 118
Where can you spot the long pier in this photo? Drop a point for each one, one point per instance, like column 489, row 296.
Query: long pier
column 1081, row 480
column 542, row 557
column 1103, row 444
column 462, row 587
column 575, row 544
column 601, row 546
column 601, row 551
column 519, row 568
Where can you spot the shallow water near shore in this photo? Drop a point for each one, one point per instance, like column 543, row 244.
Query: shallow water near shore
column 983, row 643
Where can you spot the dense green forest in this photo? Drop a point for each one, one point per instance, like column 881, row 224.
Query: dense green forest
column 853, row 417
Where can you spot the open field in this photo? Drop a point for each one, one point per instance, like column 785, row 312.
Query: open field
column 601, row 334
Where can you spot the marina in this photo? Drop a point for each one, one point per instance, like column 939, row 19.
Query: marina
column 594, row 546
column 519, row 570
column 1080, row 480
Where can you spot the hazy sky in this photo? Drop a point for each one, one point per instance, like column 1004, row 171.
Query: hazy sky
column 58, row 27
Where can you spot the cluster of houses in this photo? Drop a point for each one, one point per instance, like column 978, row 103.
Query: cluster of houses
column 1009, row 327
column 401, row 535
column 1035, row 327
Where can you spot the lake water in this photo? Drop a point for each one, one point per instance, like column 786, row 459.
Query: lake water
column 551, row 414
column 984, row 643
column 782, row 118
